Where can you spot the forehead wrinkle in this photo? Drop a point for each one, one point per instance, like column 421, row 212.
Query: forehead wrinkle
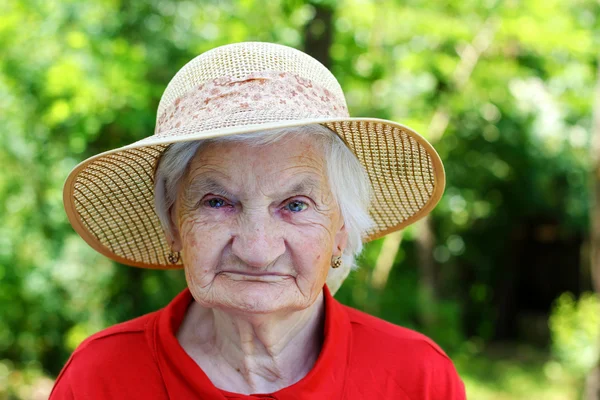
column 310, row 159
column 203, row 167
column 207, row 173
column 299, row 177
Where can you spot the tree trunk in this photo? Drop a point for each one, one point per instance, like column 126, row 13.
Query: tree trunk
column 318, row 33
column 428, row 288
column 385, row 260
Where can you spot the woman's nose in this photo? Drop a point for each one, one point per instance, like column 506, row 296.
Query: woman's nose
column 258, row 242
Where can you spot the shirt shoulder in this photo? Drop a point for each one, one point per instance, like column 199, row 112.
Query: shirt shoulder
column 412, row 365
column 380, row 333
column 112, row 363
column 115, row 342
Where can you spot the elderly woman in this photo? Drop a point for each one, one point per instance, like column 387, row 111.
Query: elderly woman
column 258, row 184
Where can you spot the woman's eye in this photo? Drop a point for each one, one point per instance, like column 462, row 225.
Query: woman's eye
column 296, row 206
column 215, row 203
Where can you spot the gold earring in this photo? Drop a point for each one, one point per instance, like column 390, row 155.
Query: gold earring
column 336, row 261
column 173, row 257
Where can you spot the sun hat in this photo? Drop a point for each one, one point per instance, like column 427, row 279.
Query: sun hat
column 235, row 89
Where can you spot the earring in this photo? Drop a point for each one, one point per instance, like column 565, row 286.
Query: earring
column 336, row 261
column 173, row 257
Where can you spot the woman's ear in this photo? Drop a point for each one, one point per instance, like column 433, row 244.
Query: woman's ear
column 340, row 241
column 173, row 237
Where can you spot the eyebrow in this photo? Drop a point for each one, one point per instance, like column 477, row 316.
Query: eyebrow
column 307, row 185
column 209, row 185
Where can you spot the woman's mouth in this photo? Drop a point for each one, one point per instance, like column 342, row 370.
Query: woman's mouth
column 255, row 276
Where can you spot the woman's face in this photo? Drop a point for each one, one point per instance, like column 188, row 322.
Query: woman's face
column 257, row 226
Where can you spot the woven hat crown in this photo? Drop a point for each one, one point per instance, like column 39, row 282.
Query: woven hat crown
column 246, row 84
column 239, row 60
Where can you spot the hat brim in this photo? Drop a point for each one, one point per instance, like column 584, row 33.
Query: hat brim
column 109, row 198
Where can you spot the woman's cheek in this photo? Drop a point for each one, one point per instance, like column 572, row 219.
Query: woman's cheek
column 312, row 219
column 310, row 247
column 198, row 222
column 203, row 243
column 313, row 229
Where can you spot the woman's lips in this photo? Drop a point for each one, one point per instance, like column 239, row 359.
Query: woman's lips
column 255, row 276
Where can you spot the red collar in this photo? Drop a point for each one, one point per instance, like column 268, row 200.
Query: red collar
column 185, row 379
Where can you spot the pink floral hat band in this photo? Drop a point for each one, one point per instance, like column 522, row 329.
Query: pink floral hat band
column 226, row 102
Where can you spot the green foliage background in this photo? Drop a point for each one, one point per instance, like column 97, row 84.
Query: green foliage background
column 81, row 77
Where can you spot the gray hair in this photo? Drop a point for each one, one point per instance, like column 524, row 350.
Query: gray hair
column 347, row 177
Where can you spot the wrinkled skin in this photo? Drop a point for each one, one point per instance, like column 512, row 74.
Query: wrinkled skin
column 253, row 240
column 256, row 228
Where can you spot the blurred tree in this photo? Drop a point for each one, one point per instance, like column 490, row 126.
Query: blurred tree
column 425, row 240
column 593, row 378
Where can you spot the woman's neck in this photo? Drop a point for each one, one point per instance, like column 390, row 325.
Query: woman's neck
column 253, row 353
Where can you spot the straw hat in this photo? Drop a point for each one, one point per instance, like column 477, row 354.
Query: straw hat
column 234, row 89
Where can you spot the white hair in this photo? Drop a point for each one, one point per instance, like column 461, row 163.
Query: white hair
column 347, row 177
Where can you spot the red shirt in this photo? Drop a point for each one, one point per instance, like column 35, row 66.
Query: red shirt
column 362, row 357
